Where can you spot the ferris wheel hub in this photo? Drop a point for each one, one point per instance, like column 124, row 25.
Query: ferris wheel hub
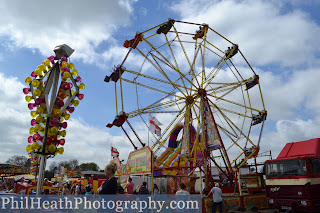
column 189, row 100
column 202, row 91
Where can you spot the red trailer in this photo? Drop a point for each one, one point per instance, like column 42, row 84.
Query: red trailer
column 293, row 178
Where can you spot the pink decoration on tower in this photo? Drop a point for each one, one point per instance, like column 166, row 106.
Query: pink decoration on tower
column 54, row 122
column 64, row 59
column 39, row 101
column 78, row 79
column 33, row 122
column 30, row 139
column 65, row 69
column 64, row 125
column 33, row 74
column 70, row 109
column 65, row 86
column 80, row 96
column 62, row 142
column 31, row 106
column 26, row 90
column 59, row 103
column 36, row 137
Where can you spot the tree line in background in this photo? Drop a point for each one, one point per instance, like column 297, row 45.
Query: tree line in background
column 54, row 167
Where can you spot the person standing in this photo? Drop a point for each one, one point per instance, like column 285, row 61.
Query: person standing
column 78, row 189
column 65, row 190
column 129, row 186
column 182, row 190
column 217, row 198
column 110, row 185
column 155, row 189
column 88, row 189
column 143, row 189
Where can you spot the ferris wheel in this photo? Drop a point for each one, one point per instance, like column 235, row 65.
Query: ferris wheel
column 188, row 75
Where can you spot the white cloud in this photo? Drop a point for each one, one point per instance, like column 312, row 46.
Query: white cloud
column 289, row 131
column 288, row 95
column 13, row 117
column 81, row 24
column 264, row 33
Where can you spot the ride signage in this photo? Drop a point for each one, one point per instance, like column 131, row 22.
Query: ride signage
column 139, row 161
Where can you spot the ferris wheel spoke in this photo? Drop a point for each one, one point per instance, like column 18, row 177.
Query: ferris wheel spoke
column 156, row 59
column 162, row 108
column 226, row 132
column 146, row 86
column 181, row 75
column 153, row 107
column 230, row 111
column 203, row 53
column 185, row 53
column 169, row 45
column 157, row 51
column 166, row 76
column 220, row 35
column 209, row 49
column 223, row 85
column 215, row 71
column 175, row 61
column 234, row 68
column 233, row 102
column 151, row 77
column 235, row 126
column 227, row 91
column 215, row 48
column 203, row 73
column 194, row 76
column 224, row 88
column 234, row 142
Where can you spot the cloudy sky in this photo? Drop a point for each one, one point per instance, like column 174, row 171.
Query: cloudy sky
column 279, row 38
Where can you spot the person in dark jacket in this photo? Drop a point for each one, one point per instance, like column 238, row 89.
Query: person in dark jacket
column 143, row 189
column 110, row 185
column 120, row 190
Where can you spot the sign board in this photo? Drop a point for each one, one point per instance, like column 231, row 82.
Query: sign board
column 139, row 162
column 74, row 173
column 14, row 170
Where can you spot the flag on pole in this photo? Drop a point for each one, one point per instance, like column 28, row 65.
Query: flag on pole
column 154, row 125
column 114, row 153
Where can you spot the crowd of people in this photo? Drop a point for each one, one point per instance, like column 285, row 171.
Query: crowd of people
column 112, row 186
column 6, row 185
column 71, row 189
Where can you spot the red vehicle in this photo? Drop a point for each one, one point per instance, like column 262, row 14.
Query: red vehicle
column 293, row 178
